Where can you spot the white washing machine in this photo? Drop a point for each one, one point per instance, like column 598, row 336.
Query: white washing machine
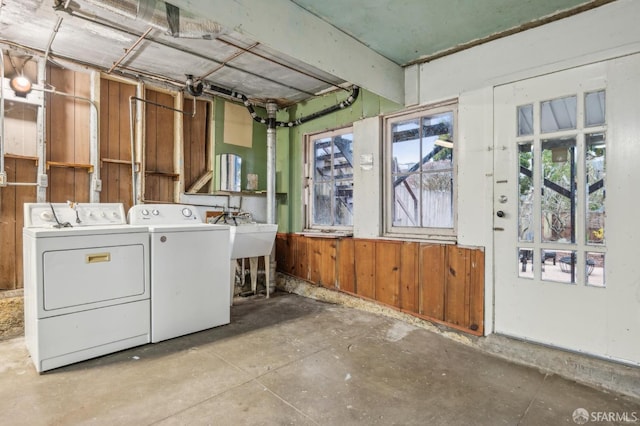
column 189, row 270
column 86, row 282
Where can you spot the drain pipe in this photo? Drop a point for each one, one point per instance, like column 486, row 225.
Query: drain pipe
column 196, row 88
column 272, row 107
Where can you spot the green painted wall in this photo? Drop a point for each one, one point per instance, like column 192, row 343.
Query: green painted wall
column 254, row 159
column 290, row 146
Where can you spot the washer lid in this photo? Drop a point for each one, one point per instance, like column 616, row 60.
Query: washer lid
column 193, row 227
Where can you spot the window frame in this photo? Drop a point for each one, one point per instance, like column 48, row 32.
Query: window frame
column 309, row 181
column 418, row 232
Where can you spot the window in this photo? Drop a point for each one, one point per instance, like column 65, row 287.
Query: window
column 562, row 188
column 420, row 172
column 330, row 160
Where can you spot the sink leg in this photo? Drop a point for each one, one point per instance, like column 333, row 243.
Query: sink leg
column 267, row 267
column 253, row 269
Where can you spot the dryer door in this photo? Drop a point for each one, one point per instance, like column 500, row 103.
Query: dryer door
column 86, row 276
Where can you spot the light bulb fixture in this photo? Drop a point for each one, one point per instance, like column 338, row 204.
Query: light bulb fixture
column 21, row 85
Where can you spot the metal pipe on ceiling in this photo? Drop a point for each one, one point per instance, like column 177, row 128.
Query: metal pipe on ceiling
column 201, row 56
column 225, row 62
column 195, row 88
column 56, row 27
column 128, row 51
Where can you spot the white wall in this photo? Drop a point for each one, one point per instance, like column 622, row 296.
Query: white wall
column 367, row 178
column 603, row 33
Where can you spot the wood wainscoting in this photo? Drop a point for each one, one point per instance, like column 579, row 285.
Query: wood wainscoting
column 440, row 282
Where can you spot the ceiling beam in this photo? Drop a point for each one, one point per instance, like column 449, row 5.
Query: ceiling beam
column 289, row 29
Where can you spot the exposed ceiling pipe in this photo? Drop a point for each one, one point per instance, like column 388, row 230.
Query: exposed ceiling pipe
column 226, row 61
column 56, row 27
column 128, row 51
column 196, row 88
column 282, row 64
column 199, row 55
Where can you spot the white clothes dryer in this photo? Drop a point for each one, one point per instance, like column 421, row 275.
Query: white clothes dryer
column 189, row 269
column 86, row 282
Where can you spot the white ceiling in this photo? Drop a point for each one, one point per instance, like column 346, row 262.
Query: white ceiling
column 285, row 50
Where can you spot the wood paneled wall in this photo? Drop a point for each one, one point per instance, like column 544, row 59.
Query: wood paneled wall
column 12, row 199
column 196, row 138
column 115, row 142
column 442, row 283
column 159, row 168
column 67, row 136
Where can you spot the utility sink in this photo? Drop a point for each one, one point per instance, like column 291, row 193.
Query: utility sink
column 252, row 239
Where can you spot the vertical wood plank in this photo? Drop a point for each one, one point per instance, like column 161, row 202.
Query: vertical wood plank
column 409, row 277
column 165, row 134
column 26, row 171
column 115, row 141
column 365, row 251
column 195, row 142
column 387, row 274
column 8, row 246
column 346, row 265
column 432, row 281
column 476, row 294
column 283, row 254
column 457, row 286
column 328, row 265
column 81, row 135
column 302, row 259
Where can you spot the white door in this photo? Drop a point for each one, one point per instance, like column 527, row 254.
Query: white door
column 566, row 272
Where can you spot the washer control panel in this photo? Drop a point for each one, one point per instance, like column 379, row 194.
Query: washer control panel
column 163, row 214
column 70, row 214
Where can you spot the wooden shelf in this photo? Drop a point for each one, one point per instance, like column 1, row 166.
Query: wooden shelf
column 61, row 164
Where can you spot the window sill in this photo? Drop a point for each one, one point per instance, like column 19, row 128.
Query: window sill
column 440, row 239
column 325, row 233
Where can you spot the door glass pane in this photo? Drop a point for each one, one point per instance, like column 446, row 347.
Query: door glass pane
column 558, row 114
column 558, row 207
column 525, row 192
column 595, row 269
column 595, row 171
column 594, row 109
column 525, row 120
column 525, row 262
column 559, row 266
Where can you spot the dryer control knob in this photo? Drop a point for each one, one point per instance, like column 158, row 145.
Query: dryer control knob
column 155, row 212
column 145, row 212
column 186, row 212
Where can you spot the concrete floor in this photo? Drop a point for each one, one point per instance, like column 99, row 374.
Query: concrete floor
column 293, row 360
